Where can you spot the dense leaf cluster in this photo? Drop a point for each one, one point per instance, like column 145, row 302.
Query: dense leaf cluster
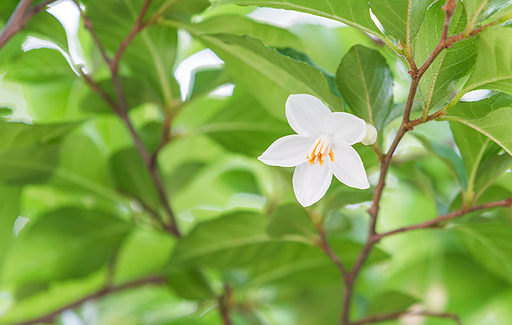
column 125, row 199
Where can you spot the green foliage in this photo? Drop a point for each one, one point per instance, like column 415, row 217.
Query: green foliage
column 85, row 224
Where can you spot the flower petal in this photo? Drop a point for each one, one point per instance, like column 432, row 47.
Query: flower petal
column 348, row 167
column 288, row 151
column 345, row 127
column 305, row 114
column 310, row 182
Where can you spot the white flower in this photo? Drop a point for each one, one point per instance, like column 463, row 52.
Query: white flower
column 321, row 148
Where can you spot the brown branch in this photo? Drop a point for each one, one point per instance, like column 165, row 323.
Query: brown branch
column 88, row 26
column 391, row 316
column 224, row 304
column 431, row 223
column 97, row 89
column 121, row 110
column 50, row 317
column 324, row 246
column 449, row 8
column 137, row 27
column 166, row 137
column 19, row 18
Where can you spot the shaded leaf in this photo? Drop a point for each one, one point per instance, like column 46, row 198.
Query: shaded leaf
column 9, row 212
column 390, row 301
column 190, row 284
column 291, row 219
column 62, row 244
column 365, row 81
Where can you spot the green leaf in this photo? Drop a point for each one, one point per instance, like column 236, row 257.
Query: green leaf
column 63, row 244
column 190, row 284
column 493, row 67
column 490, row 245
column 291, row 219
column 136, row 92
column 29, row 165
column 262, row 70
column 181, row 9
column 365, row 81
column 9, row 212
column 481, row 107
column 354, row 13
column 5, row 111
column 452, row 64
column 151, row 53
column 269, row 35
column 131, row 176
column 489, row 171
column 205, row 81
column 495, row 126
column 401, row 18
column 389, row 302
column 248, row 131
column 483, row 9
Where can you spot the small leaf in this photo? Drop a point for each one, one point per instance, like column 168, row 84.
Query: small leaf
column 131, row 176
column 489, row 171
column 190, row 284
column 483, row 8
column 365, row 81
column 401, row 18
column 389, row 302
column 452, row 64
column 290, row 219
column 205, row 81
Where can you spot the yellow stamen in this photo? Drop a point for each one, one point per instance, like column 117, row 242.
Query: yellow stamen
column 319, row 151
column 331, row 155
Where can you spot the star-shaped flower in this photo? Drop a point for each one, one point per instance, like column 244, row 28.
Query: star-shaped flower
column 321, row 148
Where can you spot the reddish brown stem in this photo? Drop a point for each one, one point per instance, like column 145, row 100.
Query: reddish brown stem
column 224, row 304
column 19, row 18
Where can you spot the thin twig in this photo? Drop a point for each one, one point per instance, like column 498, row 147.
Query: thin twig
column 224, row 304
column 137, row 27
column 166, row 137
column 19, row 18
column 391, row 316
column 324, row 245
column 431, row 223
column 50, row 317
column 449, row 8
column 121, row 110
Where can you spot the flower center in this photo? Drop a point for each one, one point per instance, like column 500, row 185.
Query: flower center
column 319, row 151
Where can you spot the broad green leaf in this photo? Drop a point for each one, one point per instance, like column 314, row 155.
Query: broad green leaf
column 390, row 301
column 9, row 212
column 291, row 219
column 29, row 164
column 190, row 284
column 39, row 66
column 480, row 10
column 240, row 181
column 490, row 245
column 269, row 35
column 401, row 18
column 180, row 9
column 493, row 67
column 5, row 111
column 206, row 81
column 45, row 26
column 183, row 175
column 344, row 195
column 495, row 126
column 366, row 83
column 239, row 241
column 452, row 64
column 63, row 244
column 151, row 53
column 144, row 253
column 131, row 176
column 354, row 13
column 57, row 295
column 262, row 70
column 489, row 171
column 248, row 131
column 453, row 161
column 471, row 110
